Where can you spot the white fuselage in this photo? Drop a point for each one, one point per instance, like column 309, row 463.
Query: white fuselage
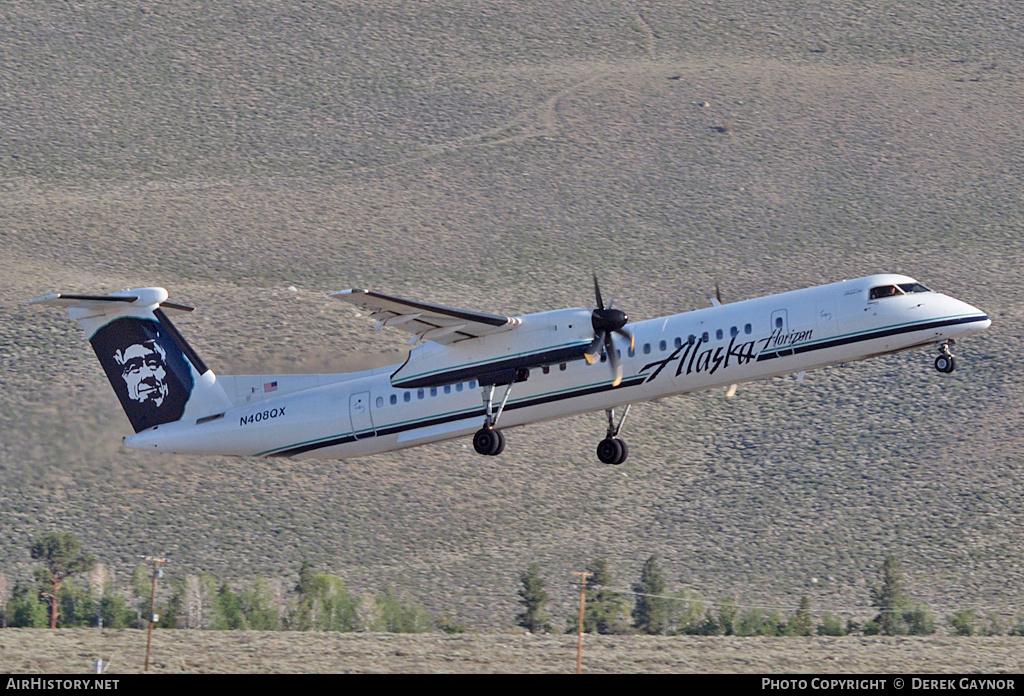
column 337, row 416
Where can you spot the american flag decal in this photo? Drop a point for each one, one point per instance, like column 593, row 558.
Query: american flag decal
column 269, row 387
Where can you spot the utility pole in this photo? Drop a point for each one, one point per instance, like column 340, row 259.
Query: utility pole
column 583, row 575
column 152, row 602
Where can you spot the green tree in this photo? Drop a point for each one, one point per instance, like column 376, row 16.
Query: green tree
column 728, row 614
column 259, row 607
column 831, row 625
column 63, row 557
column 652, row 610
column 142, row 578
column 919, row 620
column 688, row 612
column 77, row 606
column 114, row 608
column 534, row 599
column 402, row 614
column 324, row 603
column 963, row 622
column 227, row 610
column 801, row 624
column 606, row 609
column 751, row 622
column 24, row 608
column 889, row 599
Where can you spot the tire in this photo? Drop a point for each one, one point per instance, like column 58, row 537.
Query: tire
column 485, row 441
column 625, row 451
column 945, row 363
column 499, row 446
column 610, row 450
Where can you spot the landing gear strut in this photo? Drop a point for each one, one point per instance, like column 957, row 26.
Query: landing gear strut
column 945, row 363
column 488, row 439
column 612, row 450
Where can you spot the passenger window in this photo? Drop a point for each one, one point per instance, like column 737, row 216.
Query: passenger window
column 692, row 339
column 447, row 389
column 704, row 337
column 394, row 399
column 778, row 322
column 433, row 391
column 406, row 396
column 419, row 393
column 632, row 352
column 380, row 402
column 561, row 366
column 647, row 348
column 734, row 332
column 472, row 384
column 663, row 346
column 747, row 329
column 458, row 387
column 719, row 334
column 679, row 342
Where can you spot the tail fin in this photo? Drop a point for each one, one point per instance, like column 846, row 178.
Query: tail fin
column 156, row 374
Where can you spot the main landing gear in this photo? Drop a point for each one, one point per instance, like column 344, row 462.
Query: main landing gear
column 945, row 363
column 488, row 439
column 612, row 450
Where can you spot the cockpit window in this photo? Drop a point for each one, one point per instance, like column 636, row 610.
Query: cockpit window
column 884, row 291
column 913, row 287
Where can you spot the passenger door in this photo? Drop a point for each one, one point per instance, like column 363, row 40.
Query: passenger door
column 359, row 413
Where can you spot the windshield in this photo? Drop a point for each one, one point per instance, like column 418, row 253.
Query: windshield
column 884, row 291
column 896, row 290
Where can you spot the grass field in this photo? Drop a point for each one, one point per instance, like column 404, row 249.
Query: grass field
column 71, row 651
column 491, row 155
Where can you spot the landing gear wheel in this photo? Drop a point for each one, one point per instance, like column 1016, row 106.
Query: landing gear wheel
column 945, row 363
column 612, row 450
column 625, row 451
column 488, row 441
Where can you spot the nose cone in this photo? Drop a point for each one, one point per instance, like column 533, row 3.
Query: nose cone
column 973, row 319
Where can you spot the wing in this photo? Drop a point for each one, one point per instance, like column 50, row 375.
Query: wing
column 426, row 321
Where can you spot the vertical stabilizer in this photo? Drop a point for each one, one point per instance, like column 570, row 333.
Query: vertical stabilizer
column 155, row 373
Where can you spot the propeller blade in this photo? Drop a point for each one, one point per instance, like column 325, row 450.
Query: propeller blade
column 718, row 294
column 597, row 293
column 613, row 358
column 594, row 349
column 632, row 340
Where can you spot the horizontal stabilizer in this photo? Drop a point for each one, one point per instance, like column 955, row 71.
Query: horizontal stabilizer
column 142, row 297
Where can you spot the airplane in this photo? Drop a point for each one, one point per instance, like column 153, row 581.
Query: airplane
column 475, row 373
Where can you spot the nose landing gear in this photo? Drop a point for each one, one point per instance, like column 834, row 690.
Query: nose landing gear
column 945, row 363
column 612, row 450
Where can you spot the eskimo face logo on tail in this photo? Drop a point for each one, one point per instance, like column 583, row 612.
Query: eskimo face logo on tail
column 144, row 372
column 147, row 369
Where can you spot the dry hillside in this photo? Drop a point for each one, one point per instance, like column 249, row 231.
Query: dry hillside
column 490, row 155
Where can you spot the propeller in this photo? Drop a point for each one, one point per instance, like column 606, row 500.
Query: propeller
column 607, row 321
column 717, row 302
